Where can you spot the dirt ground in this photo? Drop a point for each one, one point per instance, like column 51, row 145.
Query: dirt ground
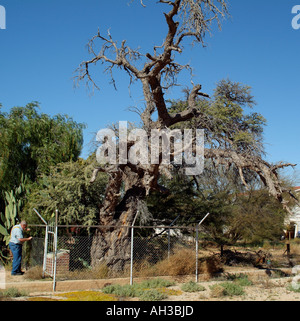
column 267, row 283
column 266, row 290
column 263, row 288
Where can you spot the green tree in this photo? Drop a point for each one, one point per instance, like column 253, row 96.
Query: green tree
column 236, row 214
column 226, row 118
column 257, row 217
column 67, row 188
column 31, row 142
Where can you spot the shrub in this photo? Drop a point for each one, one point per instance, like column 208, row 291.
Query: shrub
column 182, row 262
column 226, row 289
column 192, row 287
column 12, row 293
column 155, row 283
column 232, row 289
column 140, row 289
column 293, row 289
column 152, row 295
column 179, row 263
column 243, row 281
column 217, row 291
column 240, row 279
column 119, row 290
column 35, row 273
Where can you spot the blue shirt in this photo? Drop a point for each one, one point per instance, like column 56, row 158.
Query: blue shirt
column 16, row 234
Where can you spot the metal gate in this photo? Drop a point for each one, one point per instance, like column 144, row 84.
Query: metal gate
column 50, row 247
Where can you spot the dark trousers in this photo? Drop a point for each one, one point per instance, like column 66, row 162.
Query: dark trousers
column 16, row 250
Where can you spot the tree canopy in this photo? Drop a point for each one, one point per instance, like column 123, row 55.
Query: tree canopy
column 31, row 142
column 67, row 188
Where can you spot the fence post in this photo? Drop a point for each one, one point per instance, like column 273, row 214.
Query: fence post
column 45, row 251
column 197, row 243
column 55, row 249
column 197, row 248
column 131, row 249
column 46, row 241
column 169, row 245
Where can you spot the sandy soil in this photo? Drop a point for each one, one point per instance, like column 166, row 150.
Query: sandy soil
column 264, row 288
column 267, row 290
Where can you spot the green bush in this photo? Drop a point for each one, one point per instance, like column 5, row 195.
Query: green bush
column 152, row 295
column 192, row 287
column 293, row 289
column 244, row 281
column 155, row 283
column 142, row 290
column 227, row 289
column 119, row 290
column 240, row 279
column 12, row 293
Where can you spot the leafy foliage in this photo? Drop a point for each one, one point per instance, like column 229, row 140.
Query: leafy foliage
column 150, row 290
column 257, row 217
column 226, row 289
column 225, row 119
column 192, row 287
column 68, row 189
column 32, row 142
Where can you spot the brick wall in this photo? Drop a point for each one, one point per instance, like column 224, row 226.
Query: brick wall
column 62, row 262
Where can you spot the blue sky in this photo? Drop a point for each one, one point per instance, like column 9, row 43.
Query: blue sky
column 45, row 42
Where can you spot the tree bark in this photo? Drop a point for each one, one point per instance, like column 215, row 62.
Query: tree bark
column 111, row 243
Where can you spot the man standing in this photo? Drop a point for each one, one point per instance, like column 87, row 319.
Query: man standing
column 15, row 244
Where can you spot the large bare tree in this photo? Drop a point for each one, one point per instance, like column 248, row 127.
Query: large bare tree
column 186, row 21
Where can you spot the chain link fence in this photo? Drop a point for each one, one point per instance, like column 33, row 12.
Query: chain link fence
column 149, row 251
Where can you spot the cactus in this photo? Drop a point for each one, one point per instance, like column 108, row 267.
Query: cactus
column 14, row 203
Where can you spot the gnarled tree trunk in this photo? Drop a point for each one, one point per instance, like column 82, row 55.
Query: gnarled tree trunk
column 159, row 71
column 111, row 243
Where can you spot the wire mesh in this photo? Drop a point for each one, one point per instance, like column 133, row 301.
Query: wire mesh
column 151, row 252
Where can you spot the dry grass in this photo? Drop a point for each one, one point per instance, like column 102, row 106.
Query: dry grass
column 182, row 262
column 295, row 247
column 34, row 273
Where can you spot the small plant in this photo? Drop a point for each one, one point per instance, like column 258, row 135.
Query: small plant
column 240, row 279
column 140, row 290
column 232, row 289
column 152, row 295
column 244, row 281
column 35, row 273
column 122, row 291
column 217, row 291
column 226, row 289
column 156, row 283
column 293, row 289
column 192, row 287
column 12, row 293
